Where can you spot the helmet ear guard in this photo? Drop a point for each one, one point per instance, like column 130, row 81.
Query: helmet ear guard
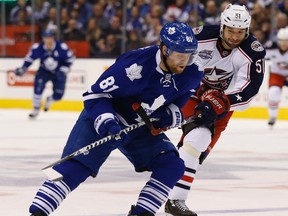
column 235, row 16
column 167, row 52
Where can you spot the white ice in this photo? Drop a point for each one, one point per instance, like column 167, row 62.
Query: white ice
column 245, row 175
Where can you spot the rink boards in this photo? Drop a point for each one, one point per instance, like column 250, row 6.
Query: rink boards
column 17, row 92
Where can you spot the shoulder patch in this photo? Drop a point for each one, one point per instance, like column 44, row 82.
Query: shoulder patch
column 35, row 46
column 205, row 54
column 64, row 46
column 197, row 30
column 257, row 46
column 134, row 71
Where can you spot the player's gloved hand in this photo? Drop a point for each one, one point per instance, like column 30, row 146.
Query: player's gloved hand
column 167, row 116
column 203, row 88
column 204, row 115
column 111, row 127
column 20, row 71
column 215, row 104
column 219, row 101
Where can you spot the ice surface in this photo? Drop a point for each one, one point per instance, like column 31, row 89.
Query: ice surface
column 245, row 175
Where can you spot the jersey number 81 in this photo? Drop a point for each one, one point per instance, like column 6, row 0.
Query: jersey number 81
column 108, row 84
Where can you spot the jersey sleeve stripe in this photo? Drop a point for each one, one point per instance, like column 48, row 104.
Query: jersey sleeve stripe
column 245, row 54
column 96, row 96
column 245, row 84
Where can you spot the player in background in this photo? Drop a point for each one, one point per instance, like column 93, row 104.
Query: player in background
column 278, row 73
column 161, row 79
column 55, row 62
column 233, row 63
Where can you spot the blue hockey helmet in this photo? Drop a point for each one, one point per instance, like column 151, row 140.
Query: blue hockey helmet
column 179, row 37
column 48, row 33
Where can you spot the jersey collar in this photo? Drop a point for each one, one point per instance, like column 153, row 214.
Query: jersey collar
column 158, row 60
column 223, row 52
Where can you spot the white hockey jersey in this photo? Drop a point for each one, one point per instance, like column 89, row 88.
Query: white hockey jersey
column 279, row 61
column 238, row 72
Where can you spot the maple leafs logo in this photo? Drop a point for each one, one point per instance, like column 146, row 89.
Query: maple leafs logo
column 134, row 71
column 171, row 30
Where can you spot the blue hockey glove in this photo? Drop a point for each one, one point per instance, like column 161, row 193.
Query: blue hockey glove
column 167, row 116
column 219, row 101
column 205, row 115
column 20, row 71
column 215, row 104
column 111, row 127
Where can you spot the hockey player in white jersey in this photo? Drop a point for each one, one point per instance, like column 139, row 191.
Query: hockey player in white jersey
column 278, row 73
column 233, row 63
column 55, row 62
column 161, row 79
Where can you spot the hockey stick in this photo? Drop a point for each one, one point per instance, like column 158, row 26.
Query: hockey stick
column 55, row 176
column 141, row 112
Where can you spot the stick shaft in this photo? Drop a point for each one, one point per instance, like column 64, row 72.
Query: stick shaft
column 93, row 145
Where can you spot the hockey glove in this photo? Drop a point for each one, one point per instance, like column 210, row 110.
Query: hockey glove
column 205, row 115
column 219, row 101
column 20, row 71
column 215, row 104
column 167, row 116
column 111, row 127
column 203, row 88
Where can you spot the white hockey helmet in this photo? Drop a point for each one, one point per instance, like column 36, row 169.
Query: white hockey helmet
column 235, row 16
column 282, row 34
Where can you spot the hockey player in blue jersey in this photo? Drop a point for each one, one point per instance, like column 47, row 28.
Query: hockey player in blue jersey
column 55, row 62
column 161, row 79
column 233, row 65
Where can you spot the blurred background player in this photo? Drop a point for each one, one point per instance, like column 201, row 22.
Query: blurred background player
column 233, row 63
column 55, row 62
column 278, row 73
column 161, row 79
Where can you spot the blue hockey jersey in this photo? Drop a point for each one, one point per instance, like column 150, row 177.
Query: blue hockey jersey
column 137, row 77
column 59, row 58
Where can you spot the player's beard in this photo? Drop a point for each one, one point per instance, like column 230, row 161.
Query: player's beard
column 231, row 45
column 177, row 69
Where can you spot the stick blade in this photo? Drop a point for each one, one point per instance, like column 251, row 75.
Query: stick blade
column 52, row 174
